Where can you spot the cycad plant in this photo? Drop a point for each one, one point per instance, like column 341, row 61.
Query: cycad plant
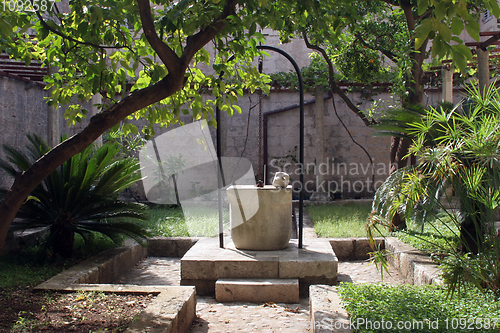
column 80, row 197
column 456, row 148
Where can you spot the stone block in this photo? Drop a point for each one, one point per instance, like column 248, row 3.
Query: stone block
column 343, row 247
column 257, row 291
column 174, row 247
column 206, row 261
column 415, row 267
column 173, row 310
column 316, row 259
column 361, row 248
column 240, row 269
column 198, row 269
column 203, row 287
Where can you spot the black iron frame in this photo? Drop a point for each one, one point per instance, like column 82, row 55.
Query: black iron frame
column 301, row 150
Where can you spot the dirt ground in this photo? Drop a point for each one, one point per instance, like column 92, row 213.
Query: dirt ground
column 25, row 310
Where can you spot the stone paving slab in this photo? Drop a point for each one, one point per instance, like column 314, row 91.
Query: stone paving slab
column 217, row 317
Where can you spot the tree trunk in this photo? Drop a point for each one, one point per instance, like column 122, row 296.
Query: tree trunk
column 415, row 88
column 63, row 241
column 27, row 181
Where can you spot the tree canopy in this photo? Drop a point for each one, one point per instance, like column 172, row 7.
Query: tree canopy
column 144, row 57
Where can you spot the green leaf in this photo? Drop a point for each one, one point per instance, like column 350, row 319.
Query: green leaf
column 457, row 25
column 462, row 9
column 494, row 8
column 437, row 47
column 421, row 32
column 440, row 10
column 472, row 28
column 445, row 32
column 422, row 6
column 459, row 60
column 252, row 29
column 464, row 50
column 5, row 27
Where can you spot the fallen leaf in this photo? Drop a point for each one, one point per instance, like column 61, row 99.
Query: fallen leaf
column 270, row 305
column 296, row 310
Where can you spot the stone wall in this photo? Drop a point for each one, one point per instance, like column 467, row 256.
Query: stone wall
column 346, row 168
column 23, row 111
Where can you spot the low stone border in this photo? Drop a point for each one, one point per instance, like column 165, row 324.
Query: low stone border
column 417, row 268
column 354, row 248
column 173, row 309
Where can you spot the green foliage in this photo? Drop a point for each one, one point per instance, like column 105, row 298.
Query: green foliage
column 129, row 143
column 458, row 149
column 81, row 196
column 422, row 308
column 441, row 235
column 100, row 47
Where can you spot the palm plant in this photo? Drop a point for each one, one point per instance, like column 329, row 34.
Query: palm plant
column 80, row 197
column 457, row 148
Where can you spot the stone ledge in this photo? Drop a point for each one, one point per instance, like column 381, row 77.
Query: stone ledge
column 174, row 247
column 102, row 268
column 326, row 311
column 416, row 267
column 173, row 309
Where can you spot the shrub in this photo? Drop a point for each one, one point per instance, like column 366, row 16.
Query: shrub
column 81, row 196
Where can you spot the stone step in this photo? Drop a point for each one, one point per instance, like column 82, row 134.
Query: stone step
column 257, row 290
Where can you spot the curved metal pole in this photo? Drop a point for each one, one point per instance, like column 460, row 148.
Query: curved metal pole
column 301, row 145
column 301, row 134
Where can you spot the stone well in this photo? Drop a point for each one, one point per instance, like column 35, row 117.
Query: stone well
column 261, row 217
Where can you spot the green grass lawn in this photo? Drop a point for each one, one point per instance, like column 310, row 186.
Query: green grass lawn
column 170, row 221
column 437, row 237
column 347, row 220
column 31, row 267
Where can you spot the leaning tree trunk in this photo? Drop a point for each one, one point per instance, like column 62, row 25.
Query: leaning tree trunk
column 176, row 65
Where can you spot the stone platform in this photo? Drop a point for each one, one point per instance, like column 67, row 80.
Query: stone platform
column 206, row 262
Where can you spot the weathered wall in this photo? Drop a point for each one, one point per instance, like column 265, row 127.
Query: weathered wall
column 346, row 168
column 23, row 111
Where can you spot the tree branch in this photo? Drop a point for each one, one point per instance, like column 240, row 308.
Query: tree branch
column 388, row 54
column 74, row 40
column 200, row 39
column 334, row 86
column 166, row 54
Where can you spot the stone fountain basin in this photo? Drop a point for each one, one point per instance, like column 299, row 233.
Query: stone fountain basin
column 260, row 217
